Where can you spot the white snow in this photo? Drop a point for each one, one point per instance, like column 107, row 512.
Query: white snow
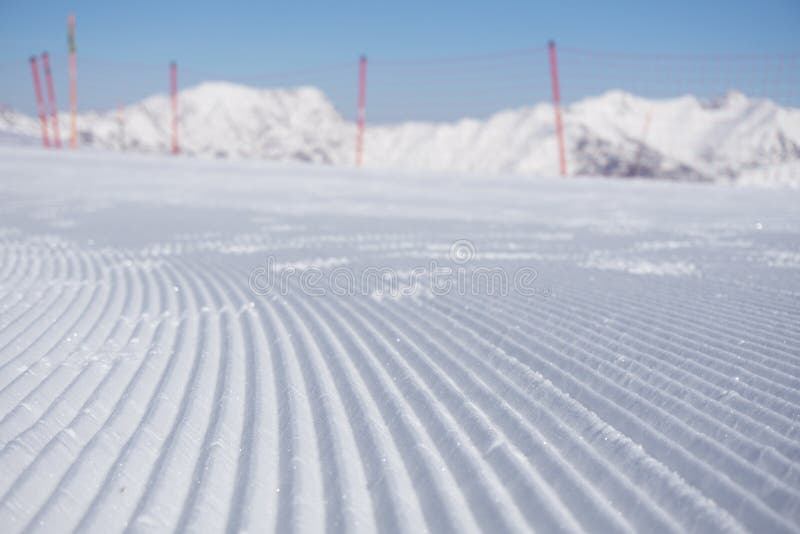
column 732, row 138
column 650, row 383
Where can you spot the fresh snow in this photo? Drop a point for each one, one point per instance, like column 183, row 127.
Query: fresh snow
column 731, row 138
column 649, row 383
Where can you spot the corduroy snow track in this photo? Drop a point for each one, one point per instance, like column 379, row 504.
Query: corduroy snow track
column 647, row 380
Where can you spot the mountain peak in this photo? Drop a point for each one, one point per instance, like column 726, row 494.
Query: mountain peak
column 616, row 133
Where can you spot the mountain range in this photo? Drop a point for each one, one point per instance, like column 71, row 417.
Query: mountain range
column 733, row 138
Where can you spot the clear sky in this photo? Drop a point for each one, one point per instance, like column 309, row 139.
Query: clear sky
column 124, row 47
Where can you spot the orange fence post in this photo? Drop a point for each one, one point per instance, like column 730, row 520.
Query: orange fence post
column 51, row 96
column 37, row 87
column 73, row 84
column 562, row 158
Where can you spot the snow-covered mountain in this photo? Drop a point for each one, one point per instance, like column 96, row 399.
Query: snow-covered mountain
column 216, row 119
column 615, row 134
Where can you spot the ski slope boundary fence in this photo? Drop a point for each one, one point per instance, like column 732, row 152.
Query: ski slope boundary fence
column 424, row 88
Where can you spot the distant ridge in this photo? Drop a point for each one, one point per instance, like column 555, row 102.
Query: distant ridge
column 731, row 138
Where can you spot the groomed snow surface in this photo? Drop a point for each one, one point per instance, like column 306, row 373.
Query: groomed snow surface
column 650, row 381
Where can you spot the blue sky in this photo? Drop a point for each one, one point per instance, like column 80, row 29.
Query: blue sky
column 124, row 47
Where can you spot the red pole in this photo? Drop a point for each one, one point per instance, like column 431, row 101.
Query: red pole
column 362, row 101
column 73, row 84
column 173, row 76
column 562, row 159
column 37, row 86
column 51, row 97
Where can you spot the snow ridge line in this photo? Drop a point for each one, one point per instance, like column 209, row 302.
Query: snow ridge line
column 147, row 506
column 17, row 280
column 715, row 385
column 41, row 309
column 56, row 274
column 671, row 394
column 386, row 487
column 698, row 327
column 512, row 413
column 463, row 447
column 68, row 401
column 725, row 378
column 578, row 379
column 508, row 454
column 566, row 406
column 436, row 493
column 66, row 327
column 215, row 468
column 74, row 490
column 57, row 358
column 71, row 434
column 66, row 372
